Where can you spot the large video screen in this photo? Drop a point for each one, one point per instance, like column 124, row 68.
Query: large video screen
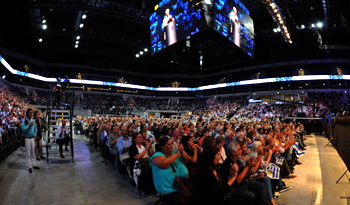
column 232, row 20
column 174, row 20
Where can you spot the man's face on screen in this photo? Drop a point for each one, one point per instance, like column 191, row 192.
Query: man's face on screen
column 167, row 12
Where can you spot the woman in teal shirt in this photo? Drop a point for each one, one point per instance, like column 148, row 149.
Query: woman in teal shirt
column 163, row 175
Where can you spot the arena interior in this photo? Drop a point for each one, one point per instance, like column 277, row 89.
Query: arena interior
column 232, row 102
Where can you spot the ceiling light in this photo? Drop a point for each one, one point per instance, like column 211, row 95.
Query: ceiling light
column 275, row 30
column 78, row 37
column 44, row 21
column 84, row 16
column 76, row 42
column 76, row 46
column 145, row 49
column 81, row 25
column 40, row 40
column 137, row 55
column 313, row 25
column 281, row 21
column 44, row 27
column 319, row 24
column 141, row 52
column 275, row 10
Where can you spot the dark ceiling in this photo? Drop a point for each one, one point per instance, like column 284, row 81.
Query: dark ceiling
column 114, row 31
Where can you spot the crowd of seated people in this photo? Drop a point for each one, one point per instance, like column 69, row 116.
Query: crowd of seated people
column 229, row 161
column 41, row 97
column 220, row 107
column 12, row 110
column 101, row 103
column 327, row 102
column 151, row 103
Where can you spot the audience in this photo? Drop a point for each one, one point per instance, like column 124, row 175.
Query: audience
column 224, row 148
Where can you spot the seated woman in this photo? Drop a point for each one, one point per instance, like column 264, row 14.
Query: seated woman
column 263, row 163
column 163, row 163
column 193, row 151
column 220, row 142
column 139, row 159
column 208, row 141
column 209, row 185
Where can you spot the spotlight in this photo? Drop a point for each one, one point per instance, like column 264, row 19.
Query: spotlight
column 302, row 26
column 78, row 37
column 76, row 42
column 40, row 40
column 313, row 25
column 141, row 52
column 145, row 49
column 5, row 77
column 278, row 29
column 137, row 55
column 44, row 27
column 81, row 25
column 281, row 22
column 319, row 25
column 84, row 16
column 76, row 46
column 44, row 21
column 275, row 10
column 274, row 30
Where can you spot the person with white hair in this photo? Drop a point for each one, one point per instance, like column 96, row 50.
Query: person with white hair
column 248, row 191
column 229, row 137
column 219, row 131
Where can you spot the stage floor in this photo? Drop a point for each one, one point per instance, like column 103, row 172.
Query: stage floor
column 91, row 182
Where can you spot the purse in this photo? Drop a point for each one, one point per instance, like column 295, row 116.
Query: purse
column 144, row 165
column 185, row 192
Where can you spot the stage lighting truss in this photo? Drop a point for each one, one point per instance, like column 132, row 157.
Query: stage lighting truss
column 278, row 17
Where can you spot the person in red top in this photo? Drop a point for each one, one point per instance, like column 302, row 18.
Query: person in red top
column 185, row 129
column 205, row 134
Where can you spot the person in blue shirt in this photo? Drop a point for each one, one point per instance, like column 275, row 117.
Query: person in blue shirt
column 164, row 163
column 29, row 130
column 123, row 144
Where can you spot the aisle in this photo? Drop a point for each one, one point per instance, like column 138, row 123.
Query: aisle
column 315, row 183
column 86, row 182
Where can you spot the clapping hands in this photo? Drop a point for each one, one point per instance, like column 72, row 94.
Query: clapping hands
column 251, row 162
column 234, row 170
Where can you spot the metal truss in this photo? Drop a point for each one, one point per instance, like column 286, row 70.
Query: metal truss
column 98, row 35
column 110, row 8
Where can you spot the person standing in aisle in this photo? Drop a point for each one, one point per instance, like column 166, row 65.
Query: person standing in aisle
column 30, row 131
column 38, row 141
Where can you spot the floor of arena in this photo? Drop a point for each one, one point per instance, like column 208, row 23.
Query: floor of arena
column 91, row 182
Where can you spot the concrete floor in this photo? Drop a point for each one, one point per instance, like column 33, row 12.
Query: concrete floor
column 90, row 182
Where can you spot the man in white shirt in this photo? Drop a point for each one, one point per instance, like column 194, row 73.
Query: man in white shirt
column 62, row 136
